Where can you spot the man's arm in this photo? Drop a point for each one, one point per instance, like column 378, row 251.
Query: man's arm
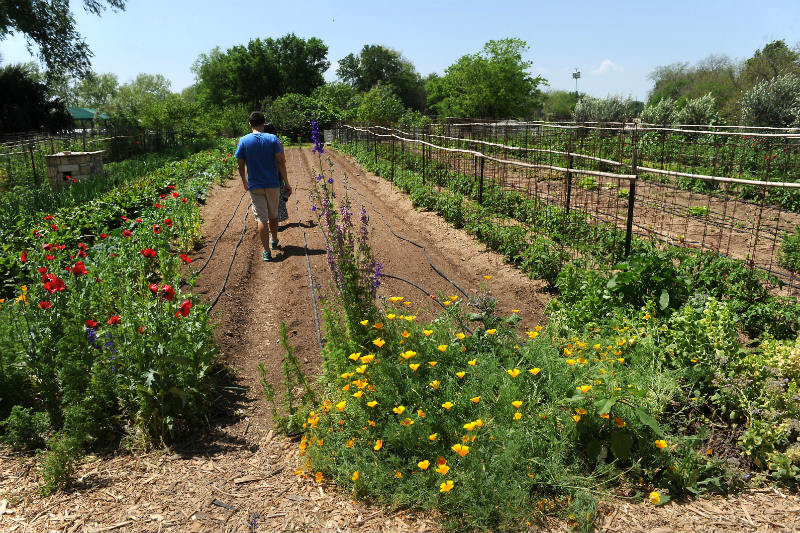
column 242, row 173
column 280, row 161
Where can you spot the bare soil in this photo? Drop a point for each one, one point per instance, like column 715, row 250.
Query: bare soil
column 236, row 473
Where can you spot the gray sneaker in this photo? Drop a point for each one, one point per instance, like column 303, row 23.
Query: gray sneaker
column 266, row 255
column 274, row 243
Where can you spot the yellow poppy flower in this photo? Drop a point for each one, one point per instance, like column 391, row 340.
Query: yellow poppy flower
column 517, row 403
column 349, row 443
column 584, row 388
column 355, row 356
column 373, row 403
column 397, row 474
column 355, row 476
column 364, row 322
column 358, row 394
column 371, row 423
column 655, row 498
column 515, row 310
column 442, row 347
column 460, row 449
column 318, row 477
column 405, row 334
column 513, row 372
column 378, row 445
column 476, row 399
column 491, row 331
column 410, row 318
column 407, row 304
column 580, row 411
column 378, row 325
column 407, row 422
column 320, row 442
column 443, row 469
column 427, row 332
column 408, row 354
column 661, row 444
column 532, row 334
column 447, row 405
column 361, row 369
column 517, row 415
column 535, row 371
column 461, row 374
column 473, row 362
column 576, row 418
column 460, row 336
column 420, row 413
column 379, row 342
column 368, row 358
column 446, row 303
column 432, row 436
column 399, row 409
column 413, row 366
column 447, row 486
column 341, row 405
column 469, row 426
column 435, row 383
column 570, row 362
column 432, row 363
column 487, row 277
column 391, row 316
column 424, row 464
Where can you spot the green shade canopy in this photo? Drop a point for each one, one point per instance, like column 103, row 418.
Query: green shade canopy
column 86, row 113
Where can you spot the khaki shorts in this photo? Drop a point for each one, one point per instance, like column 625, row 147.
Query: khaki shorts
column 265, row 203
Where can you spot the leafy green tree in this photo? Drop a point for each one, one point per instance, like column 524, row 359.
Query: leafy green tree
column 377, row 64
column 137, row 96
column 774, row 102
column 25, row 105
column 701, row 110
column 261, row 71
column 97, row 90
column 774, row 59
column 292, row 114
column 558, row 105
column 49, row 24
column 381, row 106
column 609, row 109
column 340, row 96
column 493, row 83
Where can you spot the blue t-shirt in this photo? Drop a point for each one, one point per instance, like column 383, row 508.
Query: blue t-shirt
column 258, row 151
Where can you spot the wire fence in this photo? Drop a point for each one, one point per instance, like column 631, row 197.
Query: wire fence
column 733, row 192
column 22, row 155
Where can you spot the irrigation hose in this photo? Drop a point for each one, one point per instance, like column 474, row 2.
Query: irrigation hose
column 220, row 234
column 230, row 265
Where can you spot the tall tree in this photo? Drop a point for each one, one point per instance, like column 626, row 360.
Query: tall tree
column 774, row 59
column 25, row 105
column 493, row 83
column 260, row 71
column 97, row 90
column 49, row 24
column 140, row 94
column 377, row 64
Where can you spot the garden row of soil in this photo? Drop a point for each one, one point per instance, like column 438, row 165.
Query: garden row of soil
column 236, row 473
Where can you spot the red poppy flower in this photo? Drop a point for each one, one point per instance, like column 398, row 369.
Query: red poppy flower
column 47, row 247
column 156, row 228
column 49, row 217
column 186, row 259
column 186, row 306
column 49, row 257
column 112, row 255
column 81, row 254
column 167, row 292
column 54, row 284
column 127, row 233
column 142, row 330
column 170, row 187
column 113, row 320
column 138, row 220
column 162, row 196
column 79, row 269
column 175, row 195
column 42, row 270
column 90, row 323
column 99, row 280
column 149, row 253
column 158, row 206
column 54, row 227
column 123, row 218
column 168, row 222
column 154, row 288
column 61, row 246
column 103, row 235
column 224, row 160
column 45, row 305
column 82, row 246
column 24, row 256
column 183, row 200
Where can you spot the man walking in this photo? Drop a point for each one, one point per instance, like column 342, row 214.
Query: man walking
column 261, row 154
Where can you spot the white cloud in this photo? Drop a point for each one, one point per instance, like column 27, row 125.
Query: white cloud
column 608, row 66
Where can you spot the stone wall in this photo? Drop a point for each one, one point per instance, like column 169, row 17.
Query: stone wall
column 76, row 165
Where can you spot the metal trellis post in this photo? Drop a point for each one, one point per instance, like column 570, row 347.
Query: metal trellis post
column 632, row 189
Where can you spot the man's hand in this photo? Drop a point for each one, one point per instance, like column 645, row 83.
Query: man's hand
column 244, row 186
column 287, row 190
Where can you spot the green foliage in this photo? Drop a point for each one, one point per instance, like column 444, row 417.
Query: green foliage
column 609, row 109
column 469, row 86
column 379, row 65
column 774, row 102
column 789, row 255
column 700, row 110
column 262, row 70
column 50, row 25
column 558, row 105
column 292, row 115
column 25, row 428
column 380, row 106
column 57, row 464
column 26, row 106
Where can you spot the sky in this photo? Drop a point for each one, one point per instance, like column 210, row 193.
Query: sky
column 614, row 44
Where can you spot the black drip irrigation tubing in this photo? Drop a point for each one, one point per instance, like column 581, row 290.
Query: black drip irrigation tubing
column 214, row 247
column 308, row 266
column 230, row 265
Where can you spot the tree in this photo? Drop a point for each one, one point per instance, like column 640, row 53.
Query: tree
column 493, row 83
column 774, row 102
column 261, row 71
column 558, row 105
column 774, row 59
column 25, row 106
column 292, row 114
column 50, row 25
column 135, row 97
column 342, row 97
column 381, row 106
column 377, row 64
column 97, row 90
column 609, row 109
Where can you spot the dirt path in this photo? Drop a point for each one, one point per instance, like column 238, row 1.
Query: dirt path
column 235, row 474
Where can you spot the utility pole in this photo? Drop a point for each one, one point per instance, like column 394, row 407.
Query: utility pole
column 576, row 75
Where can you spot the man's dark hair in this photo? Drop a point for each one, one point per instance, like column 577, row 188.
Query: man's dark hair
column 257, row 118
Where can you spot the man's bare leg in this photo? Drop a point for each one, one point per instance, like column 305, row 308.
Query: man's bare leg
column 273, row 229
column 262, row 233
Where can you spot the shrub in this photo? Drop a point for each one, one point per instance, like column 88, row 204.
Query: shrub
column 789, row 254
column 774, row 102
column 25, row 428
